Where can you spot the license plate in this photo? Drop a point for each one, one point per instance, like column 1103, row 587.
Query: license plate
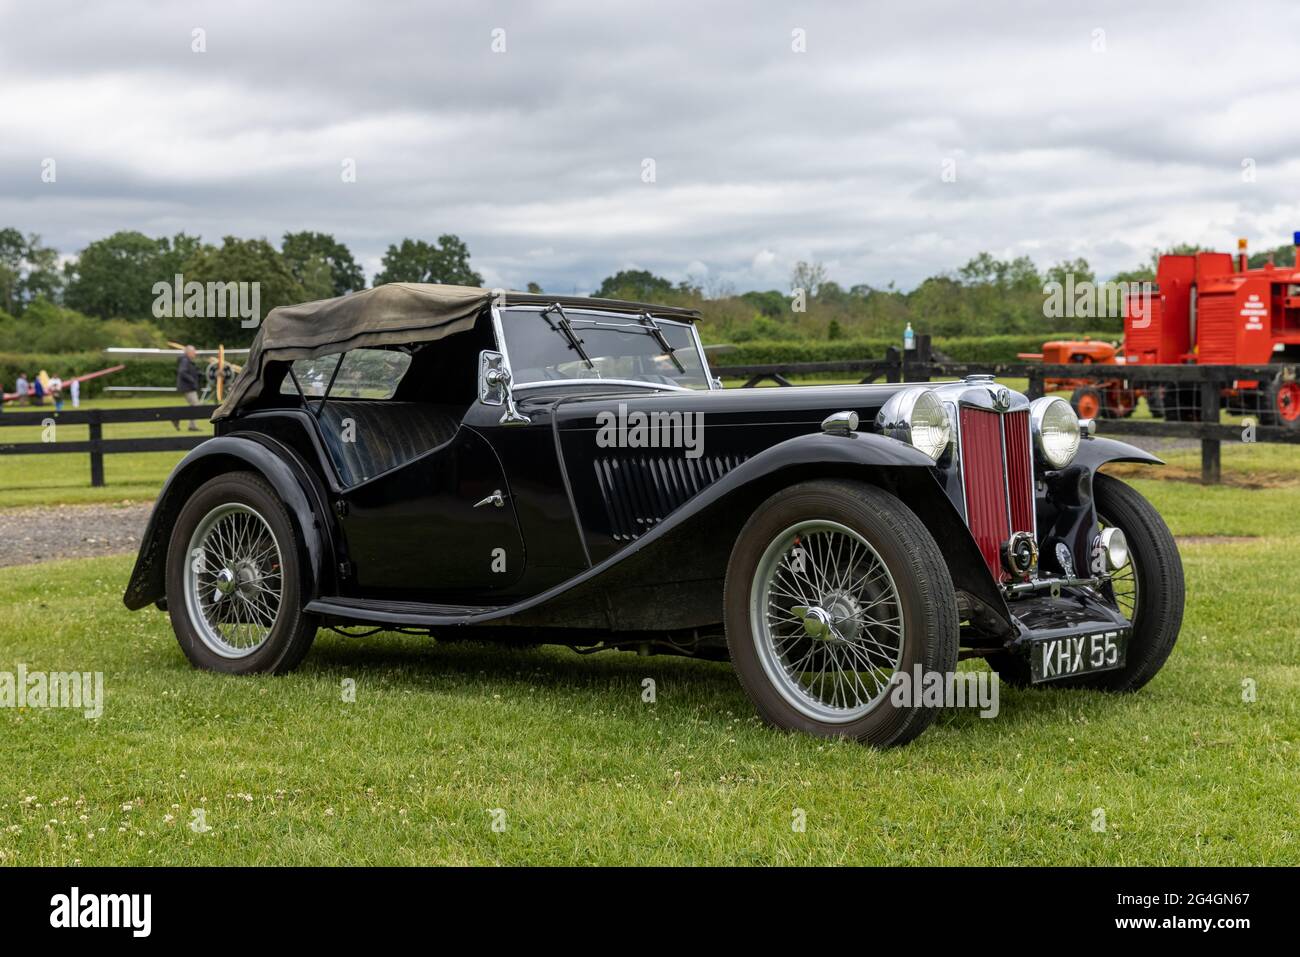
column 1072, row 655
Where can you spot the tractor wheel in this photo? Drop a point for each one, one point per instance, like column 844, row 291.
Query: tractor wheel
column 1120, row 403
column 1181, row 404
column 1282, row 404
column 1088, row 403
column 1153, row 397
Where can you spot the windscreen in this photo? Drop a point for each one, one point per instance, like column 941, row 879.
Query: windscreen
column 556, row 344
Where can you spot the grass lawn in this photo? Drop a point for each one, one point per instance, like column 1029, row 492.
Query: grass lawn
column 585, row 772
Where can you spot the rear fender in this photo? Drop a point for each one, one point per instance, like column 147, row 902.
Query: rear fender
column 304, row 498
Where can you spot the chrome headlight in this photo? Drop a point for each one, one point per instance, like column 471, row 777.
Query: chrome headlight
column 917, row 417
column 1056, row 430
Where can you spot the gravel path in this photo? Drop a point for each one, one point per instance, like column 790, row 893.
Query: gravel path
column 47, row 532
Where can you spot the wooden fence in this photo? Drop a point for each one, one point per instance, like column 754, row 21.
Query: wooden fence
column 1206, row 382
column 95, row 444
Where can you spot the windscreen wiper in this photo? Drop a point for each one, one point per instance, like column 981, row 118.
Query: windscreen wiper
column 652, row 327
column 565, row 328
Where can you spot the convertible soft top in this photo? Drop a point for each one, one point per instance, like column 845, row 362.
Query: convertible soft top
column 388, row 315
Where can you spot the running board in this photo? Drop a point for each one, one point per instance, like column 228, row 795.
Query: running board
column 372, row 611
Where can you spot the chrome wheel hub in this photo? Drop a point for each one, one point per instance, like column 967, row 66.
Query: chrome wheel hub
column 833, row 618
column 816, row 622
column 845, row 611
column 225, row 583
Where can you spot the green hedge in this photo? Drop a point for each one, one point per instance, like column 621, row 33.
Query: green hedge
column 959, row 349
column 69, row 364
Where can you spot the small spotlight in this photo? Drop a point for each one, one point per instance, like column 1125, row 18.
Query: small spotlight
column 1115, row 548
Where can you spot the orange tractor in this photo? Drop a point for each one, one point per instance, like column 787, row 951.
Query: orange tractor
column 1092, row 398
column 1206, row 309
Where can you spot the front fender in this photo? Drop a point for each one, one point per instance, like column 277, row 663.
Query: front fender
column 1095, row 452
column 261, row 454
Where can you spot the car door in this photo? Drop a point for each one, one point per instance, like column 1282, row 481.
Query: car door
column 440, row 528
column 543, row 507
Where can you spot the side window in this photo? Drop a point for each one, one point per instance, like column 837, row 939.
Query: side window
column 361, row 374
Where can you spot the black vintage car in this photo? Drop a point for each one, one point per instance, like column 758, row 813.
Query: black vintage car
column 542, row 469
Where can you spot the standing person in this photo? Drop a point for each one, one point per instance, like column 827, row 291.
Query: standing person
column 56, row 393
column 187, row 382
column 21, row 388
column 75, row 389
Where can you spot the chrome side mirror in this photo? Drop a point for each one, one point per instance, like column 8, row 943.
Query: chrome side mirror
column 494, row 387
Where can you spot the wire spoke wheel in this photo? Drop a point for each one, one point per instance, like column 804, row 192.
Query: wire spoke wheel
column 234, row 580
column 827, row 621
column 1123, row 583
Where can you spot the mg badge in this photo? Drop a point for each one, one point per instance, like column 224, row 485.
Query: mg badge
column 1002, row 399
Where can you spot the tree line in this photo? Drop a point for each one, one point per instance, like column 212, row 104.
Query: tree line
column 108, row 289
column 987, row 296
column 105, row 295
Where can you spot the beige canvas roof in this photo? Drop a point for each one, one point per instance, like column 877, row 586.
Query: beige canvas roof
column 391, row 314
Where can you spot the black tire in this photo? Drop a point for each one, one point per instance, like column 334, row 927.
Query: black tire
column 293, row 631
column 1278, row 402
column 1158, row 571
column 1155, row 399
column 925, row 598
column 1181, row 404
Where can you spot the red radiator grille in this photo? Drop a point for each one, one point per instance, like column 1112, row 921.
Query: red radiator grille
column 986, row 479
column 1020, row 470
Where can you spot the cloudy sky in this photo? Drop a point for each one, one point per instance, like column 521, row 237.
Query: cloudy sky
column 1085, row 129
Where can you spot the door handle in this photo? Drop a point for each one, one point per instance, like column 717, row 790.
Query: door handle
column 496, row 498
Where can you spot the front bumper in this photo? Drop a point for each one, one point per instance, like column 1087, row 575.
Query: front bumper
column 1074, row 634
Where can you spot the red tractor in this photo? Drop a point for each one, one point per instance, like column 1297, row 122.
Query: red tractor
column 1209, row 310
